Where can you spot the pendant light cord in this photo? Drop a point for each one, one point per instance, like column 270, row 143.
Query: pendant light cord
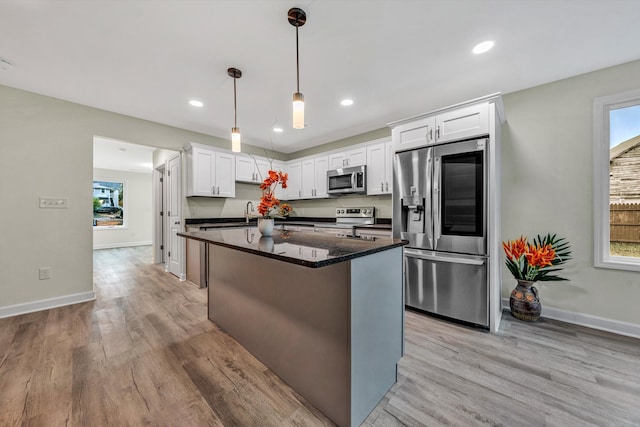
column 297, row 63
column 235, row 117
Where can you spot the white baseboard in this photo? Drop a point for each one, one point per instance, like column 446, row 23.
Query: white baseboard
column 121, row 245
column 45, row 304
column 595, row 322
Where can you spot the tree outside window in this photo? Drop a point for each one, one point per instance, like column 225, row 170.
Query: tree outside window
column 108, row 203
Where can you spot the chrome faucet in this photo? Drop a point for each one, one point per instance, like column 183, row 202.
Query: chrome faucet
column 246, row 214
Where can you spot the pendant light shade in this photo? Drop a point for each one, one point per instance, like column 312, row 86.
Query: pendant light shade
column 298, row 110
column 297, row 17
column 235, row 130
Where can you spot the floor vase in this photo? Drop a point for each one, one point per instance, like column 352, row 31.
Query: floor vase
column 524, row 302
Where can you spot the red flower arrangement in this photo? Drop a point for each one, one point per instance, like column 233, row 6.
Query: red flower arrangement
column 268, row 201
column 533, row 262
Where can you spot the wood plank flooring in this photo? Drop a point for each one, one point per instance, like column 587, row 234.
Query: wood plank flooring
column 144, row 353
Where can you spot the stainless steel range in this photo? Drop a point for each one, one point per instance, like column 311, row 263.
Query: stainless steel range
column 346, row 221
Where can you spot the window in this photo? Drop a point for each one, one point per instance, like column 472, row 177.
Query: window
column 108, row 204
column 617, row 181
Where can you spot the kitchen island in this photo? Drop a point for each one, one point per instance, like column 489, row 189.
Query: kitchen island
column 324, row 313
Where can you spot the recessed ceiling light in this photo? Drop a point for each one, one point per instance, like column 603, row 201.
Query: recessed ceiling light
column 196, row 103
column 277, row 129
column 346, row 102
column 483, row 47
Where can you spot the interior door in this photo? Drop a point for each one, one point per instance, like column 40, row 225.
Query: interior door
column 173, row 216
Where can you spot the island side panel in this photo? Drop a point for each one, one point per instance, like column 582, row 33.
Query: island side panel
column 377, row 329
column 294, row 319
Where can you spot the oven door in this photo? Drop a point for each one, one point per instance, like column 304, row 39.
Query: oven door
column 460, row 197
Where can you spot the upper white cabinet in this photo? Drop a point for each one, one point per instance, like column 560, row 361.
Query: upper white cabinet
column 314, row 177
column 448, row 125
column 210, row 172
column 380, row 167
column 251, row 169
column 353, row 157
column 294, row 183
column 462, row 123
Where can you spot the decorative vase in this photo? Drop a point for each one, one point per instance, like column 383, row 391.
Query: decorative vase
column 524, row 302
column 266, row 244
column 265, row 226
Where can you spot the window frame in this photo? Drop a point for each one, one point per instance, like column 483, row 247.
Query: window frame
column 125, row 203
column 601, row 158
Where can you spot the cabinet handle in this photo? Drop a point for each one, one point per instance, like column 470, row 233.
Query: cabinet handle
column 430, row 136
column 299, row 193
column 438, row 132
column 382, row 186
column 213, row 190
column 387, row 186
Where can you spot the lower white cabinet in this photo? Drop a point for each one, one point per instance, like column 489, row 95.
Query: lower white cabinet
column 210, row 172
column 380, row 167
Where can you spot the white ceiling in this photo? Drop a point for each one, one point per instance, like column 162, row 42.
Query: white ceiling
column 395, row 58
column 119, row 155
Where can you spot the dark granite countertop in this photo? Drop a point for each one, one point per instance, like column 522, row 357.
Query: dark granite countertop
column 209, row 223
column 297, row 247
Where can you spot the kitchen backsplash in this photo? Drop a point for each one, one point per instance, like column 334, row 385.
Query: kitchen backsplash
column 204, row 207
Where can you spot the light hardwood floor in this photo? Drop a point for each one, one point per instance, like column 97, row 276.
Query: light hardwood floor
column 144, row 353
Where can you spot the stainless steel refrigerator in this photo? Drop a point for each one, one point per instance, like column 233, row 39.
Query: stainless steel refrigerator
column 440, row 207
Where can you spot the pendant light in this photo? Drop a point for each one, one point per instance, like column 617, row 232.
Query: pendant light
column 235, row 130
column 297, row 17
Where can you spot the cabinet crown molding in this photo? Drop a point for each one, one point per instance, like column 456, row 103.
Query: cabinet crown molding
column 495, row 98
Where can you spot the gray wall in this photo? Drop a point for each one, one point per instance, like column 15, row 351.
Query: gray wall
column 548, row 187
column 46, row 149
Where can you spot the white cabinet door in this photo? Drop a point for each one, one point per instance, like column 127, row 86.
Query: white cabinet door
column 245, row 169
column 337, row 160
column 308, row 178
column 462, row 123
column 379, row 167
column 388, row 180
column 294, row 189
column 202, row 177
column 376, row 168
column 278, row 166
column 344, row 159
column 321, row 168
column 357, row 157
column 225, row 172
column 414, row 134
column 262, row 169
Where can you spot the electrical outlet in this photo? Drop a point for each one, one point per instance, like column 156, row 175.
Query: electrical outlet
column 45, row 273
column 54, row 203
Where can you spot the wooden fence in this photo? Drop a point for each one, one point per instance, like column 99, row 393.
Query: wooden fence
column 624, row 220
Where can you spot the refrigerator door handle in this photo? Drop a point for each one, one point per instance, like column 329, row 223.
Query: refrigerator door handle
column 457, row 260
column 437, row 182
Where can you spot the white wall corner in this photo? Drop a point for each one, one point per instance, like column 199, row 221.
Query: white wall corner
column 46, row 304
column 587, row 320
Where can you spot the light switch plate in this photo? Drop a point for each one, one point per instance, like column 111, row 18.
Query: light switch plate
column 54, row 203
column 44, row 273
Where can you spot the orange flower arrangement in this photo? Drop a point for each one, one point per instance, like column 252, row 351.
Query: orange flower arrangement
column 533, row 262
column 268, row 201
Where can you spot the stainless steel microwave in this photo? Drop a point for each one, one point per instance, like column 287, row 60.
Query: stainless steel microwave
column 347, row 180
